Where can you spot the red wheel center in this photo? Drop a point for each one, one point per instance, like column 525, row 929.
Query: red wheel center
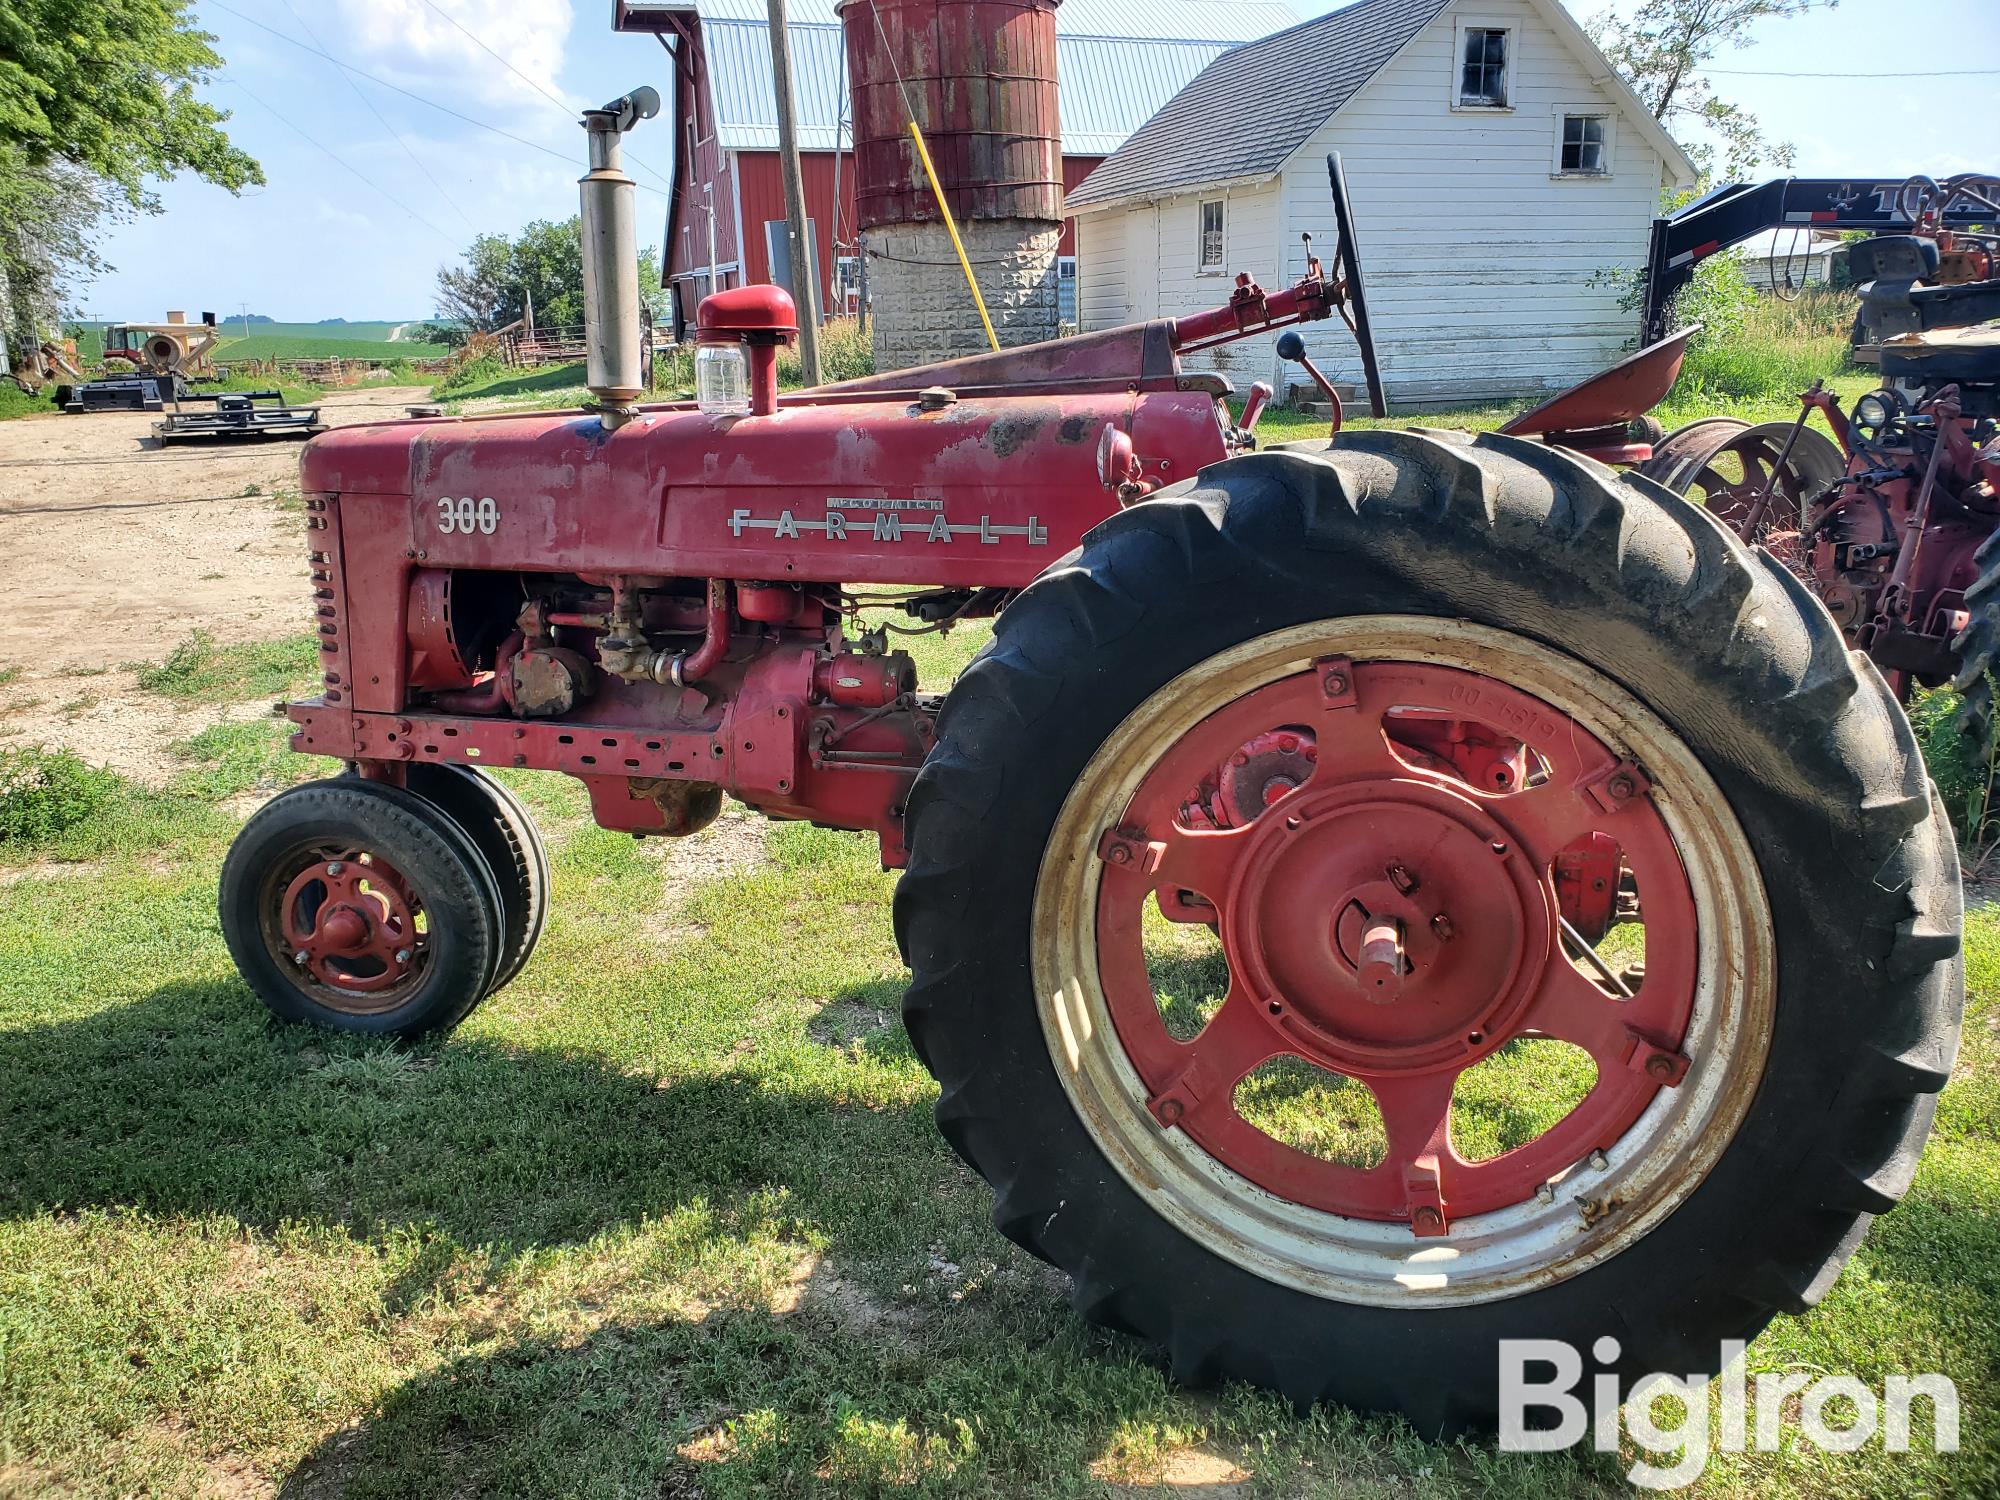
column 1394, row 918
column 1456, row 911
column 351, row 924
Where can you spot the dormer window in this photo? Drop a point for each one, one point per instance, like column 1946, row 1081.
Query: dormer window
column 1482, row 70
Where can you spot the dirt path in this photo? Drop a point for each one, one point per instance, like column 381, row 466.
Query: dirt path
column 113, row 550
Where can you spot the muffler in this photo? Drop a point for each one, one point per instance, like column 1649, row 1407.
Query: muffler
column 614, row 370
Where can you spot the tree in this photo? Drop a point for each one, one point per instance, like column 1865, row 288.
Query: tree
column 489, row 288
column 1660, row 52
column 96, row 100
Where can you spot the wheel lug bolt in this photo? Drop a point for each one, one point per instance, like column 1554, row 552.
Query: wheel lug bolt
column 1546, row 1193
column 1441, row 925
column 1620, row 786
column 1336, row 683
column 1402, row 879
column 301, row 956
column 403, row 955
column 1599, row 1162
column 336, row 868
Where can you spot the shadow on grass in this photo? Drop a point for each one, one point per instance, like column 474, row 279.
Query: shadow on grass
column 191, row 1101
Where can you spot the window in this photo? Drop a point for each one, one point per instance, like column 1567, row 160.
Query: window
column 1583, row 149
column 1211, row 235
column 1482, row 71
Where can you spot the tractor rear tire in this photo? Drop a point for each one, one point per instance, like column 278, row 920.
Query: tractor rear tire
column 494, row 819
column 361, row 908
column 1431, row 566
column 1978, row 648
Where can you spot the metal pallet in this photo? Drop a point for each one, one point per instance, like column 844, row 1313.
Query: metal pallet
column 241, row 414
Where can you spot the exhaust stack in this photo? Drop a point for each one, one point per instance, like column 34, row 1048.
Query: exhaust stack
column 613, row 372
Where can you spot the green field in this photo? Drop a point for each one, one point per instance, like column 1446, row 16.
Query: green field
column 299, row 341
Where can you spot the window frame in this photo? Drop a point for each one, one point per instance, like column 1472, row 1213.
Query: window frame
column 1202, row 264
column 1455, row 84
column 1603, row 113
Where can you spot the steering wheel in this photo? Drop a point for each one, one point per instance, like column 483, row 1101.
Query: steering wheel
column 1354, row 302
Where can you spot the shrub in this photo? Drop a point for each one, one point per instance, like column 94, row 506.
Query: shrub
column 469, row 373
column 1964, row 780
column 1763, row 346
column 844, row 354
column 44, row 793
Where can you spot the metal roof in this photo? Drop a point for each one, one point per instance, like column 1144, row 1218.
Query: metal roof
column 1185, row 20
column 1117, row 63
column 1272, row 93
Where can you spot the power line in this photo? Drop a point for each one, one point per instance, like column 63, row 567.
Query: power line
column 364, row 179
column 407, row 94
column 370, row 104
column 1926, row 73
column 567, row 110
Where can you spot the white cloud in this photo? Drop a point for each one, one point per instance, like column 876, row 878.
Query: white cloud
column 408, row 41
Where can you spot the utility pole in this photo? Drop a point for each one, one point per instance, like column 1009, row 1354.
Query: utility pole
column 803, row 289
column 708, row 204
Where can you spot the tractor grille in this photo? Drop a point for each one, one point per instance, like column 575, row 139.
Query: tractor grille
column 328, row 593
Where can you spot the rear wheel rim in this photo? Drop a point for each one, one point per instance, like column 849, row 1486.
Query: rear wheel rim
column 1381, row 838
column 347, row 926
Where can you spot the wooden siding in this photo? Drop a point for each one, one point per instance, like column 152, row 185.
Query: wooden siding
column 1143, row 262
column 1490, row 277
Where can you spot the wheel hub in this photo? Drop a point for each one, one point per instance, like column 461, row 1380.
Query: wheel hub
column 1390, row 926
column 349, row 922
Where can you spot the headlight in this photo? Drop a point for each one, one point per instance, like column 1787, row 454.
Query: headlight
column 1877, row 410
column 722, row 380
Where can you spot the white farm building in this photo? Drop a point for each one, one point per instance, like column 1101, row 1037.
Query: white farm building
column 1500, row 173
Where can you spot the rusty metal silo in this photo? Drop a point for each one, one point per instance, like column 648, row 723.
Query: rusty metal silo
column 980, row 76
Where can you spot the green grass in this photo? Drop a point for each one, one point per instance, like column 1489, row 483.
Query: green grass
column 15, row 402
column 669, row 1215
column 200, row 669
column 845, row 354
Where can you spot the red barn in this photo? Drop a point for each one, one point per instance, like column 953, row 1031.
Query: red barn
column 1117, row 62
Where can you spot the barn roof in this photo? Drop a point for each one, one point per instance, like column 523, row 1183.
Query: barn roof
column 1255, row 105
column 1117, row 63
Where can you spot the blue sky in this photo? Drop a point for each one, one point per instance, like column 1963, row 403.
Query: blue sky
column 362, row 236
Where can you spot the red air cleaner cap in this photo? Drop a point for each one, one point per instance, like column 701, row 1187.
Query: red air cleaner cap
column 753, row 314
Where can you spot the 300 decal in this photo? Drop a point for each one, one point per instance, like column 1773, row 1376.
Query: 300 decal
column 468, row 515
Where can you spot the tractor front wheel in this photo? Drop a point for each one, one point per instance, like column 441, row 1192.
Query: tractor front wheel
column 1423, row 892
column 362, row 908
column 506, row 836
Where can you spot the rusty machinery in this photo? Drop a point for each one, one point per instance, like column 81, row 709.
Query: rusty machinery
column 154, row 363
column 1888, row 515
column 1451, row 745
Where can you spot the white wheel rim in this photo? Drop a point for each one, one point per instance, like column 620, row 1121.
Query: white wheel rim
column 1653, row 1168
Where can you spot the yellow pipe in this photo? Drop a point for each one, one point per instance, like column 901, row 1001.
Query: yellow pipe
column 924, row 156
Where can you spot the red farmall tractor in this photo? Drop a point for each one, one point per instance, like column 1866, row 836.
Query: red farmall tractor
column 1408, row 720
